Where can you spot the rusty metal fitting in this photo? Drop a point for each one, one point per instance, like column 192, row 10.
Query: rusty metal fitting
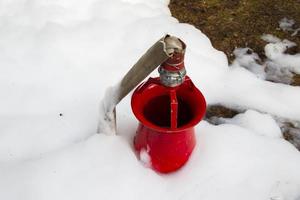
column 171, row 78
column 172, row 71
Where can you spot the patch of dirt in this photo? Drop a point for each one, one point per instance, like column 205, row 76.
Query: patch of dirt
column 296, row 80
column 291, row 133
column 220, row 111
column 239, row 23
column 214, row 113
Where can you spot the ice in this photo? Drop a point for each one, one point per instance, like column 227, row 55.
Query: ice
column 59, row 57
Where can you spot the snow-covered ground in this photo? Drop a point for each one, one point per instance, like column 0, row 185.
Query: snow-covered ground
column 57, row 57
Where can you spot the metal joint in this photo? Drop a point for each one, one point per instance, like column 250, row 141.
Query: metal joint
column 171, row 78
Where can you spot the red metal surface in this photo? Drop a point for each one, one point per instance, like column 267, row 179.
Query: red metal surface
column 175, row 63
column 174, row 109
column 167, row 118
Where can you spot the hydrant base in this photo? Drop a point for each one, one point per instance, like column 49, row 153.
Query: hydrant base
column 167, row 151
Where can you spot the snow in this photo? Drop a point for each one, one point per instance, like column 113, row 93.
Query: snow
column 270, row 38
column 107, row 121
column 275, row 52
column 286, row 24
column 249, row 60
column 262, row 124
column 60, row 57
column 278, row 67
column 145, row 157
column 289, row 25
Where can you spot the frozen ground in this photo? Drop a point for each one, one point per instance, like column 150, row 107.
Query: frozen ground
column 56, row 60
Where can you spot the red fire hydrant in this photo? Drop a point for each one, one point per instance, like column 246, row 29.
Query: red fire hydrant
column 167, row 107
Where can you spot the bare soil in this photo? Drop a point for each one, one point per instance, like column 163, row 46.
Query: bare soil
column 240, row 23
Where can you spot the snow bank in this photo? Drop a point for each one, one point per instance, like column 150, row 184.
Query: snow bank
column 229, row 162
column 58, row 57
column 278, row 67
